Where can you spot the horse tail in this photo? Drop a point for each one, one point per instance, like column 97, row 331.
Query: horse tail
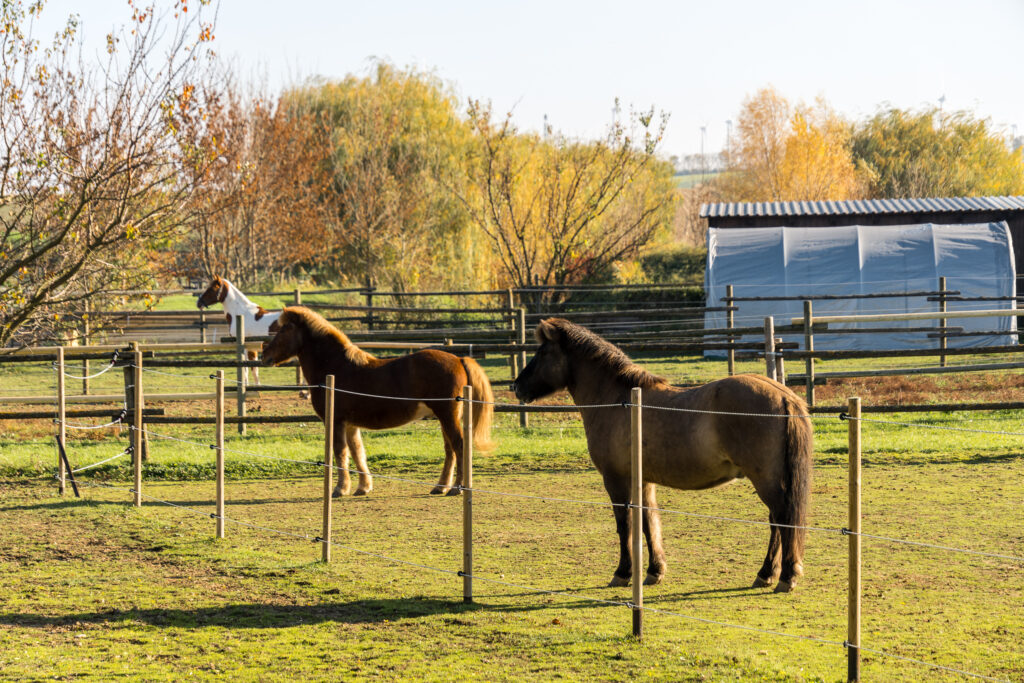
column 483, row 403
column 799, row 457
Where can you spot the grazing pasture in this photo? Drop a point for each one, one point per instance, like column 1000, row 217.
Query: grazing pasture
column 93, row 587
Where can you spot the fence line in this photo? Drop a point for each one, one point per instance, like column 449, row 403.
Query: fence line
column 541, row 591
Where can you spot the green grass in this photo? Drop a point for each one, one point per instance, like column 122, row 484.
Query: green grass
column 96, row 588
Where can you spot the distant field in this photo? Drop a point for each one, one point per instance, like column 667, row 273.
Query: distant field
column 688, row 180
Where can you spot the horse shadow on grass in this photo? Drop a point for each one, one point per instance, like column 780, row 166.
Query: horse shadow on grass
column 259, row 615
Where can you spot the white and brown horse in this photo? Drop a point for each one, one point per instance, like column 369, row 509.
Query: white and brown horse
column 425, row 382
column 237, row 305
column 743, row 426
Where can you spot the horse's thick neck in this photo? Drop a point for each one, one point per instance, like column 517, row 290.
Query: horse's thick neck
column 313, row 359
column 590, row 384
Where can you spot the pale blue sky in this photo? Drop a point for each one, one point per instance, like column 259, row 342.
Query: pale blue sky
column 696, row 60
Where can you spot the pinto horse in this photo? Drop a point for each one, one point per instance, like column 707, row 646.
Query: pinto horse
column 425, row 382
column 237, row 305
column 702, row 444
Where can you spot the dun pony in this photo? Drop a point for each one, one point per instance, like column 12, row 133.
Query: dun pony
column 771, row 442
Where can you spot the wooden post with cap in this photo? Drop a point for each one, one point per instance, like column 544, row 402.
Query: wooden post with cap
column 637, row 508
column 61, row 425
column 219, row 377
column 854, row 582
column 325, row 537
column 137, row 424
column 467, row 493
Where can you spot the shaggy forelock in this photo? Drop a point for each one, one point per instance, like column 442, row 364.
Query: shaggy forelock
column 578, row 340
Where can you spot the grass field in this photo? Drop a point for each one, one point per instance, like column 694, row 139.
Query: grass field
column 94, row 588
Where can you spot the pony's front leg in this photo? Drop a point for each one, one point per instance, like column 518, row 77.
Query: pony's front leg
column 341, row 453
column 355, row 446
column 652, row 531
column 618, row 491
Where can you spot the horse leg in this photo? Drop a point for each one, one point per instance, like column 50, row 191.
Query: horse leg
column 444, row 482
column 453, row 449
column 341, row 452
column 252, row 355
column 785, row 540
column 773, row 560
column 618, row 491
column 355, row 446
column 652, row 531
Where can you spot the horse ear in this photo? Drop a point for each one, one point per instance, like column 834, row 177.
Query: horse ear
column 546, row 331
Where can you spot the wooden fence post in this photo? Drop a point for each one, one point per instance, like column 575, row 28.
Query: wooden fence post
column 637, row 508
column 61, row 426
column 513, row 359
column 369, row 303
column 220, row 453
column 729, row 320
column 85, row 342
column 853, row 601
column 769, row 347
column 298, row 368
column 202, row 326
column 780, row 363
column 325, row 534
column 524, row 418
column 809, row 346
column 137, row 424
column 942, row 321
column 241, row 372
column 467, row 493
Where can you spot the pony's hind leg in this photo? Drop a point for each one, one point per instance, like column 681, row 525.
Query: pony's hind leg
column 652, row 531
column 252, row 355
column 355, row 446
column 785, row 541
column 618, row 491
column 773, row 560
column 452, row 452
column 341, row 452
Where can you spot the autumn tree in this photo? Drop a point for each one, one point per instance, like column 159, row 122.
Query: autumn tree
column 263, row 205
column 391, row 135
column 88, row 177
column 932, row 154
column 559, row 211
column 781, row 152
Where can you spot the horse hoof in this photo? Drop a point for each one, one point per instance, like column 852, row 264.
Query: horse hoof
column 454, row 492
column 784, row 586
column 761, row 582
column 617, row 581
column 653, row 579
column 437, row 490
column 361, row 492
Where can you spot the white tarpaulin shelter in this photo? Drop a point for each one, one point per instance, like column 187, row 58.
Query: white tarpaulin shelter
column 975, row 259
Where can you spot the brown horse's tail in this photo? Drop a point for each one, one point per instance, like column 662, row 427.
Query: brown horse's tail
column 483, row 403
column 799, row 456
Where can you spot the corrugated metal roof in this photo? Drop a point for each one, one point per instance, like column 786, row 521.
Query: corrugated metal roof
column 862, row 206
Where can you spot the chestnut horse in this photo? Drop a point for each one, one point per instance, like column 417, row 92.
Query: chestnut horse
column 684, row 450
column 432, row 379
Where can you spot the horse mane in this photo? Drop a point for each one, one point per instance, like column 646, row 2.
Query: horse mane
column 320, row 329
column 580, row 341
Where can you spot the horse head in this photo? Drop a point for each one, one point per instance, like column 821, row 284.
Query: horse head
column 289, row 335
column 215, row 293
column 548, row 371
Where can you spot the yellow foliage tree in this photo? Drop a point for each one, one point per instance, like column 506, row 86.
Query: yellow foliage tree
column 782, row 153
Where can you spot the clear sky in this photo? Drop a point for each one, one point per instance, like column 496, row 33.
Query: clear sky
column 569, row 59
